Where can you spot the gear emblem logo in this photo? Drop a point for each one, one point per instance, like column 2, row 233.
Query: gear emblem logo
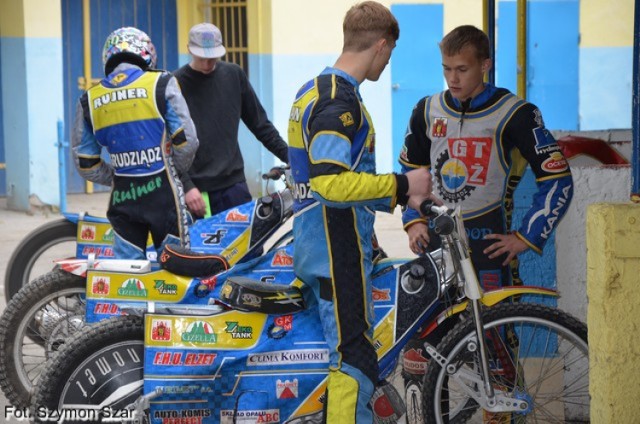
column 452, row 177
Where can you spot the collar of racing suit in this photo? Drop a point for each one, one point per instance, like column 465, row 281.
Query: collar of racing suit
column 477, row 101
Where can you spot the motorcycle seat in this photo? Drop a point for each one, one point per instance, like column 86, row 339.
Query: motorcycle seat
column 182, row 261
column 245, row 294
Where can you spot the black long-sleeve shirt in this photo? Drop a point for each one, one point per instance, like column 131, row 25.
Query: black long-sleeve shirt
column 217, row 102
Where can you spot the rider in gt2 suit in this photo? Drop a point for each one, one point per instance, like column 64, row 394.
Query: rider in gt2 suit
column 478, row 140
column 332, row 157
column 140, row 117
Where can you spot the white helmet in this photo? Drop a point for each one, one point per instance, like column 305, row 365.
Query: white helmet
column 128, row 44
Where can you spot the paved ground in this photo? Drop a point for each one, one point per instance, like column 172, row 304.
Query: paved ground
column 14, row 226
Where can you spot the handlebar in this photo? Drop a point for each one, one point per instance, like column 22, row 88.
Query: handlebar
column 442, row 219
column 428, row 208
column 275, row 173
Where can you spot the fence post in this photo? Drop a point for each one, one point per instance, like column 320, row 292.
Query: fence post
column 62, row 166
column 635, row 120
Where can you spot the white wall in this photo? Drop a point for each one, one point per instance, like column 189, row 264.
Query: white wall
column 592, row 184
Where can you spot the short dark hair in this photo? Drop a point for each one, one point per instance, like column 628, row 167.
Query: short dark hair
column 466, row 35
column 367, row 22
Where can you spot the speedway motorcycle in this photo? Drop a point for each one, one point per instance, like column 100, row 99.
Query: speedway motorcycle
column 256, row 353
column 74, row 235
column 44, row 313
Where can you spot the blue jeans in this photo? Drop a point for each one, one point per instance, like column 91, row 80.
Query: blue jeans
column 227, row 198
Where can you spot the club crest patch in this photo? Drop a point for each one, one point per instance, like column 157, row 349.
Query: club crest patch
column 439, row 127
column 347, row 119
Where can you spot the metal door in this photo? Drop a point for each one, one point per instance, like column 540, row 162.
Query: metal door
column 230, row 16
column 158, row 18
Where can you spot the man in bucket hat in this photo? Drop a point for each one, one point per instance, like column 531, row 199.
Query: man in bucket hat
column 219, row 95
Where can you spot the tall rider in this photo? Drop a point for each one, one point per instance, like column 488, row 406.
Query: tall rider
column 139, row 116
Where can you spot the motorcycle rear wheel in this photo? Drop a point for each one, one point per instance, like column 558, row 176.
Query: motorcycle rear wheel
column 35, row 323
column 35, row 254
column 100, row 366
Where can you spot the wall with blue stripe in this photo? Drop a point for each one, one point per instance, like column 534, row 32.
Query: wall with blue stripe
column 32, row 100
column 552, row 58
column 605, row 89
column 416, row 67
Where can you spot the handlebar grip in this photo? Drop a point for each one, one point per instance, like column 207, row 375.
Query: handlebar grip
column 426, row 208
column 443, row 223
column 273, row 174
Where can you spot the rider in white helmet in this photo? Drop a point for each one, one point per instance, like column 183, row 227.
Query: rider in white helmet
column 139, row 116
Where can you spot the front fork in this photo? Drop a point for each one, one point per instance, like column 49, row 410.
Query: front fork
column 502, row 402
column 141, row 405
column 482, row 345
column 470, row 380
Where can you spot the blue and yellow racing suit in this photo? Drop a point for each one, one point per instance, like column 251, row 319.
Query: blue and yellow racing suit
column 332, row 157
column 142, row 121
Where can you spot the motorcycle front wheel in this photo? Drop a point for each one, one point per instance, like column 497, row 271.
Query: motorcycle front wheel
column 98, row 372
column 536, row 354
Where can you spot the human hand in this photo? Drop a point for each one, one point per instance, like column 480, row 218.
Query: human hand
column 418, row 237
column 420, row 183
column 508, row 244
column 195, row 202
column 415, row 202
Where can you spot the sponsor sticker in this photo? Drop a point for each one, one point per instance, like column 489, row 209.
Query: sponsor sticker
column 381, row 295
column 108, row 235
column 100, row 284
column 235, row 216
column 282, row 259
column 132, row 288
column 213, row 238
column 99, row 251
column 165, row 288
column 87, row 232
column 287, row 389
column 161, row 330
column 556, row 163
column 189, row 359
column 474, row 153
column 287, row 357
column 414, row 362
column 181, row 416
column 199, row 332
column 106, row 309
column 265, row 416
column 280, row 327
column 239, row 331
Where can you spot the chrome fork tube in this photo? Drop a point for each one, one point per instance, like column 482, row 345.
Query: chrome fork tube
column 482, row 347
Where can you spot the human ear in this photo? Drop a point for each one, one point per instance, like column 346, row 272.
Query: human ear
column 486, row 65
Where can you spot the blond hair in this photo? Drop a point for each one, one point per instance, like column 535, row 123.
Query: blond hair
column 367, row 22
